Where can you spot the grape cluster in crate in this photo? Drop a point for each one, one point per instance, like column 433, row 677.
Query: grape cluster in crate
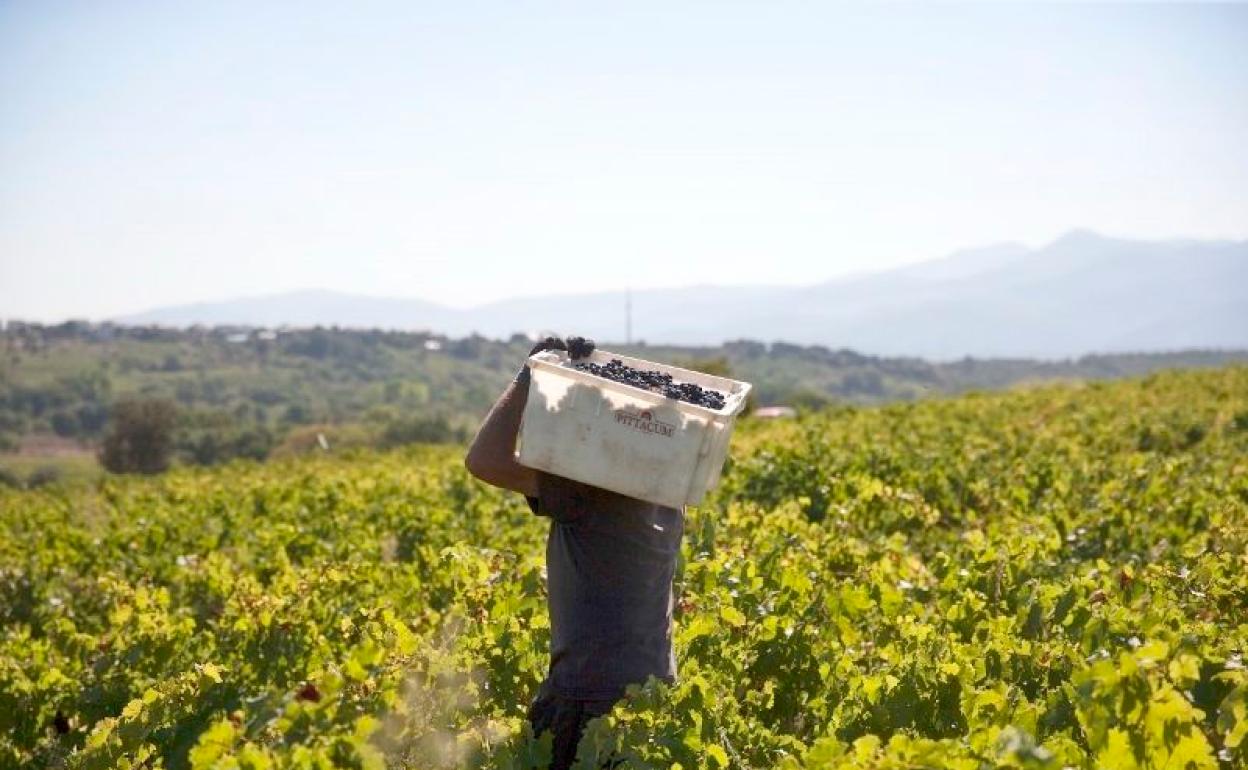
column 656, row 381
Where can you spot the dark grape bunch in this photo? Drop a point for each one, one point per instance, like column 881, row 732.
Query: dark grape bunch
column 576, row 347
column 658, row 382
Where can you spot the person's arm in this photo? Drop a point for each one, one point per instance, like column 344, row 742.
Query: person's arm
column 492, row 455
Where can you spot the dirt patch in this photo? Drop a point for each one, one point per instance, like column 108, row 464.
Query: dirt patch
column 51, row 445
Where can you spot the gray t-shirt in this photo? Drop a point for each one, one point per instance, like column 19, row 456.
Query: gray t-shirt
column 610, row 562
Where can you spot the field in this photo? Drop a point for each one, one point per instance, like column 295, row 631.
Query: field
column 1048, row 578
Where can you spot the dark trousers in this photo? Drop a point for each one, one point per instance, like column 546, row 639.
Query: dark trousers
column 566, row 719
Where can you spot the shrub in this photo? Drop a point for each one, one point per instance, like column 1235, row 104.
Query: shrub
column 10, row 479
column 140, row 439
column 420, row 430
column 43, row 475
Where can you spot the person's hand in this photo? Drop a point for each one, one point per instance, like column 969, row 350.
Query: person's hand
column 550, row 343
column 576, row 347
column 580, row 347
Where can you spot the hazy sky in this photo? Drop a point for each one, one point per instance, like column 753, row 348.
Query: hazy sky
column 158, row 153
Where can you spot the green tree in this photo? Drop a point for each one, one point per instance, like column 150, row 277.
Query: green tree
column 211, row 437
column 420, row 430
column 140, row 437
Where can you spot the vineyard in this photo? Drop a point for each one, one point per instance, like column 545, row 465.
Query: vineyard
column 1048, row 578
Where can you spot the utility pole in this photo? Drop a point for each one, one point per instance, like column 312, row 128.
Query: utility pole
column 628, row 316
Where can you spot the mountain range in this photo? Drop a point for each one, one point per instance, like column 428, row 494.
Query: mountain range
column 1083, row 293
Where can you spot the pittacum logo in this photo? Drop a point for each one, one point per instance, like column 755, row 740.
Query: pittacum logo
column 644, row 421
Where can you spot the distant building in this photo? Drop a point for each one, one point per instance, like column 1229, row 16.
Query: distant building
column 774, row 412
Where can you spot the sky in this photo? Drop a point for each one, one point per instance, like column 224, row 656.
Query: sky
column 156, row 153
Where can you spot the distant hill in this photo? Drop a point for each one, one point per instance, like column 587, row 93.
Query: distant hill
column 308, row 308
column 1083, row 293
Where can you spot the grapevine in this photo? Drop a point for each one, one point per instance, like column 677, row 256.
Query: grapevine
column 1048, row 578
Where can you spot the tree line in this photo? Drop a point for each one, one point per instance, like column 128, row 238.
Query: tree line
column 218, row 393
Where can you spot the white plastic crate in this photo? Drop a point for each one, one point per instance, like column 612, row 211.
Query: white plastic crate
column 625, row 439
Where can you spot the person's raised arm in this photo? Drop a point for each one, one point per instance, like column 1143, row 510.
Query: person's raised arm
column 492, row 455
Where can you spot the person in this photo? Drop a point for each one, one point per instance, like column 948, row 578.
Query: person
column 610, row 564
